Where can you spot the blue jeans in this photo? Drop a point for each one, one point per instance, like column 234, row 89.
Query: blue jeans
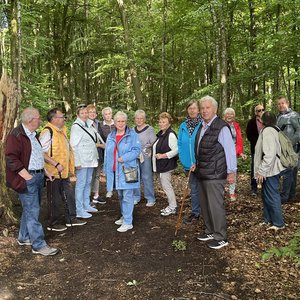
column 147, row 178
column 195, row 196
column 83, row 189
column 271, row 201
column 126, row 205
column 287, row 184
column 30, row 227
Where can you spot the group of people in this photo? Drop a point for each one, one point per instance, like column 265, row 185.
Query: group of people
column 207, row 147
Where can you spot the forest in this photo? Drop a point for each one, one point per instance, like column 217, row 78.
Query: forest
column 154, row 55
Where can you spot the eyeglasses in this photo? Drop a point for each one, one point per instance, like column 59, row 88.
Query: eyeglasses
column 36, row 118
column 92, row 112
column 81, row 106
column 260, row 110
column 61, row 117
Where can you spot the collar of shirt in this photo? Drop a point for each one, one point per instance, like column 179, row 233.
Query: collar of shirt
column 205, row 125
column 112, row 123
column 28, row 132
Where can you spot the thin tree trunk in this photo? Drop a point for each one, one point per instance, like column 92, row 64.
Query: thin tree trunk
column 163, row 105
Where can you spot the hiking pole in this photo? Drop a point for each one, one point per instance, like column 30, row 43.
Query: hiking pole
column 65, row 199
column 178, row 224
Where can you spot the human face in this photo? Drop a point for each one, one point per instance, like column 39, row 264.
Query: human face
column 207, row 111
column 107, row 115
column 121, row 124
column 164, row 124
column 229, row 117
column 282, row 105
column 259, row 110
column 193, row 111
column 58, row 120
column 83, row 114
column 35, row 122
column 92, row 114
column 139, row 120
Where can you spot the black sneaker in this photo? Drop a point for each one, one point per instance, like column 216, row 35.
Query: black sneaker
column 75, row 222
column 57, row 227
column 192, row 218
column 99, row 200
column 217, row 244
column 205, row 237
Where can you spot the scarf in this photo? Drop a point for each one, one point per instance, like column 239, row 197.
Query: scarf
column 192, row 123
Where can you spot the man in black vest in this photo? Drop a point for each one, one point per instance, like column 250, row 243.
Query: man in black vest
column 215, row 163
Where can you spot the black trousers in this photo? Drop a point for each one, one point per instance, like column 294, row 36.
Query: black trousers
column 57, row 191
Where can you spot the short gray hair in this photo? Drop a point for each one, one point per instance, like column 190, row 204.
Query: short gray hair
column 120, row 114
column 140, row 112
column 28, row 114
column 228, row 110
column 105, row 109
column 209, row 99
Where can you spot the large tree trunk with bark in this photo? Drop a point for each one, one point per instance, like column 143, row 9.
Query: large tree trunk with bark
column 8, row 111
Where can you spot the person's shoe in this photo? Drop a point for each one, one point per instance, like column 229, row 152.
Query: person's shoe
column 232, row 197
column 75, row 222
column 120, row 221
column 150, row 204
column 205, row 237
column 91, row 209
column 135, row 202
column 24, row 243
column 168, row 211
column 57, row 227
column 217, row 244
column 253, row 194
column 83, row 215
column 46, row 251
column 109, row 194
column 124, row 228
column 276, row 228
column 264, row 223
column 192, row 218
column 99, row 200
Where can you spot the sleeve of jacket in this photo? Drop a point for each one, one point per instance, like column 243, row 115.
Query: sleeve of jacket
column 249, row 131
column 179, row 142
column 13, row 153
column 173, row 145
column 239, row 139
column 135, row 148
column 75, row 137
column 296, row 124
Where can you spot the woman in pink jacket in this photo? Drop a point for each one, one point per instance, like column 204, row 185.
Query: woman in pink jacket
column 229, row 117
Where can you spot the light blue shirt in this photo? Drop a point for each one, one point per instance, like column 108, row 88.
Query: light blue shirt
column 226, row 140
column 36, row 161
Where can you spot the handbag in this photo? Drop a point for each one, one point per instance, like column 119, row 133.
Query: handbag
column 130, row 173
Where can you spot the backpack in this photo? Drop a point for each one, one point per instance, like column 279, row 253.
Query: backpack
column 288, row 156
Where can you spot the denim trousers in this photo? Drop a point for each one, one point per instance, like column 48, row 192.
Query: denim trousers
column 272, row 211
column 195, row 196
column 287, row 184
column 83, row 189
column 147, row 178
column 126, row 205
column 30, row 227
column 56, row 201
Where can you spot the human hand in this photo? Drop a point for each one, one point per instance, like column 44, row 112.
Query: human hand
column 230, row 178
column 193, row 167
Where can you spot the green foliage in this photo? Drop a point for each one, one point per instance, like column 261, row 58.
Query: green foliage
column 291, row 251
column 179, row 245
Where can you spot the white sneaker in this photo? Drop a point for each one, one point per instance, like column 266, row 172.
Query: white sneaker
column 120, row 221
column 91, row 210
column 109, row 194
column 168, row 211
column 150, row 204
column 124, row 228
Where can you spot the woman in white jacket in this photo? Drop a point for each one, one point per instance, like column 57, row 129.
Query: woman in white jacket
column 83, row 140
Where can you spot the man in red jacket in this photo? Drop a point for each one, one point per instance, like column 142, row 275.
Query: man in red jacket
column 25, row 174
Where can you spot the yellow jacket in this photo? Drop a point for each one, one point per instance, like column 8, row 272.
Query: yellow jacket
column 61, row 151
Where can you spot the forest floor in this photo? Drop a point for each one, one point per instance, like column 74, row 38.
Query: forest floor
column 97, row 262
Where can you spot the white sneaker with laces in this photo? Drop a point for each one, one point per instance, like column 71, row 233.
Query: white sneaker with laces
column 150, row 204
column 168, row 211
column 109, row 194
column 120, row 221
column 124, row 228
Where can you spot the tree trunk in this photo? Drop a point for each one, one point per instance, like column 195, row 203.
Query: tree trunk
column 131, row 64
column 163, row 106
column 8, row 111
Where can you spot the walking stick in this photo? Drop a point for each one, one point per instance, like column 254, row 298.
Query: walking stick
column 65, row 199
column 178, row 224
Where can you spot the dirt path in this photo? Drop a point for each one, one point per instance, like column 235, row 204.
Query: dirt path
column 97, row 262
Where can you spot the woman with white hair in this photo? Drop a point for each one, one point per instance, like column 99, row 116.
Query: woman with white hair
column 147, row 137
column 121, row 151
column 229, row 117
